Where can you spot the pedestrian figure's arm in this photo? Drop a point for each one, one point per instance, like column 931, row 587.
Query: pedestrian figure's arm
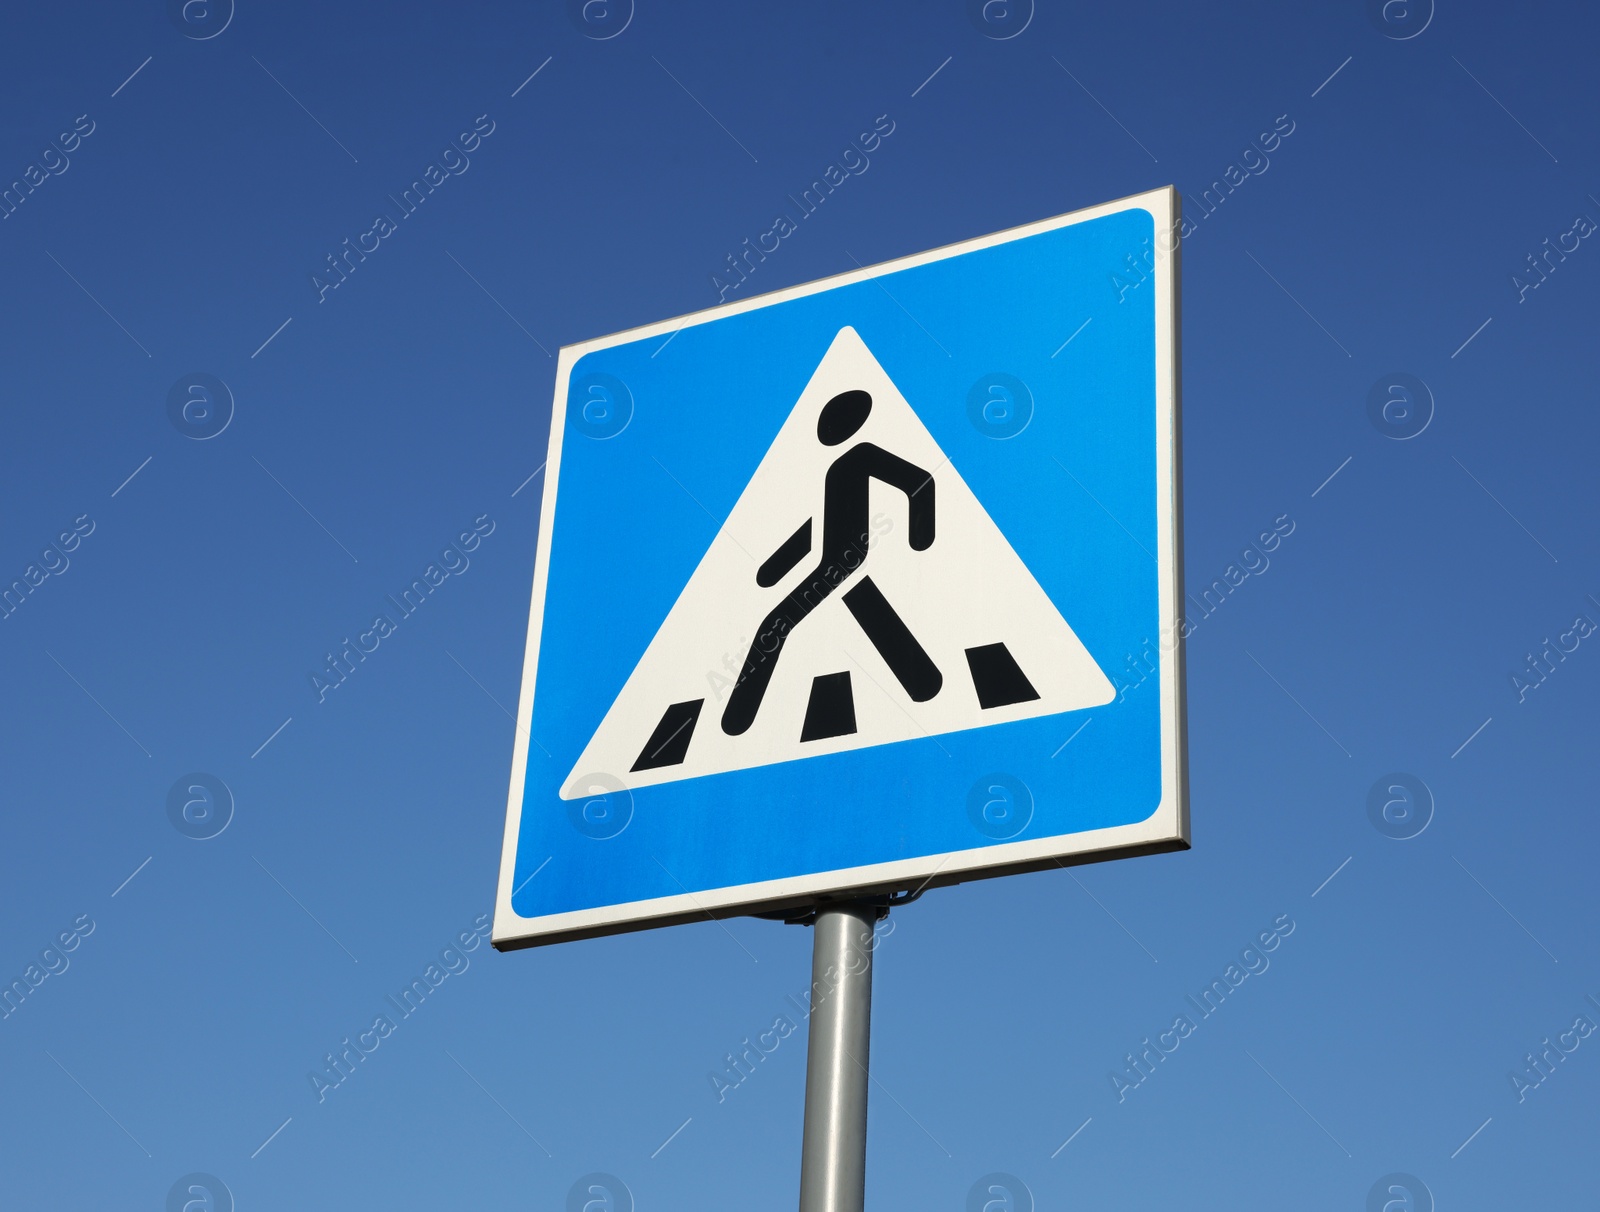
column 916, row 484
column 781, row 562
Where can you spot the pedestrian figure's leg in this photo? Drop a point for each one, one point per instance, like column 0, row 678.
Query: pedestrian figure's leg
column 906, row 658
column 760, row 663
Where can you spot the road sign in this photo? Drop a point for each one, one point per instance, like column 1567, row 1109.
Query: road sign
column 839, row 589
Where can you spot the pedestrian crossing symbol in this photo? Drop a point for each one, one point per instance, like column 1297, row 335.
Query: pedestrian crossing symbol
column 857, row 595
column 836, row 589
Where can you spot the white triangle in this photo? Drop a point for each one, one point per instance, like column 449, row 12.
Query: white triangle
column 967, row 590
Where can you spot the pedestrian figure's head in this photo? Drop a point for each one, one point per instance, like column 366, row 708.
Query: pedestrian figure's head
column 842, row 416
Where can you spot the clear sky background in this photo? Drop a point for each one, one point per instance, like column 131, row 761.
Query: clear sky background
column 1431, row 154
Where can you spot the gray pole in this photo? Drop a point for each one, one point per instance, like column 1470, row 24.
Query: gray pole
column 833, row 1159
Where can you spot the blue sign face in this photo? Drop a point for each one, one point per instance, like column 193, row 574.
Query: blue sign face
column 865, row 585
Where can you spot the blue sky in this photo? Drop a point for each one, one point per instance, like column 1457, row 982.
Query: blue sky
column 178, row 195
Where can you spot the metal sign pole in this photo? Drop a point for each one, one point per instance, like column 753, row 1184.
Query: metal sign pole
column 833, row 1159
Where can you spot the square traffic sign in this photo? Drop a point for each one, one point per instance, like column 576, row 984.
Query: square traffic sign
column 837, row 588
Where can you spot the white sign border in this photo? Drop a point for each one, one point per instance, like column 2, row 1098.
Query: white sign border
column 1164, row 830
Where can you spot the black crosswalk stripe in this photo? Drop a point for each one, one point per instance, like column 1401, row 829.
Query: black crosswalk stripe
column 998, row 678
column 831, row 710
column 669, row 743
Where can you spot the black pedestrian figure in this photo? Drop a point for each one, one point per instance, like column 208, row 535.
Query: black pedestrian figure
column 844, row 546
